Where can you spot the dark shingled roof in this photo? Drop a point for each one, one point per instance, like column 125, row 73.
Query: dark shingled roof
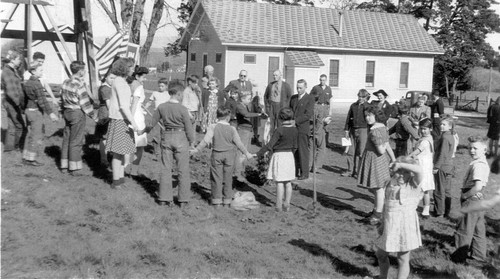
column 304, row 58
column 248, row 23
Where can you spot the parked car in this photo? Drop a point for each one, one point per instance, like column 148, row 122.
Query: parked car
column 412, row 97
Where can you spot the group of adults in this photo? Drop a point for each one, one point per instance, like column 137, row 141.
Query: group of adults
column 405, row 131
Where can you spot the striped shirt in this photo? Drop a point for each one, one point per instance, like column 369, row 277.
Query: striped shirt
column 35, row 93
column 74, row 95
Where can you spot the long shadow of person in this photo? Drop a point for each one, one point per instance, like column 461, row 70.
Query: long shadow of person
column 329, row 202
column 355, row 194
column 343, row 267
column 92, row 157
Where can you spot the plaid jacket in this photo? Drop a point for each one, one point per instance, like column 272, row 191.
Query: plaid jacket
column 35, row 95
column 11, row 85
column 74, row 95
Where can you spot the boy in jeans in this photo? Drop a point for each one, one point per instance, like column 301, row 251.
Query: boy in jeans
column 224, row 138
column 470, row 237
column 176, row 139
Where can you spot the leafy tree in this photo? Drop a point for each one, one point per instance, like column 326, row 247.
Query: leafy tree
column 460, row 28
column 132, row 17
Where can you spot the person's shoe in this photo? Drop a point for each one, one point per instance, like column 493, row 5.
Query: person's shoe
column 354, row 175
column 64, row 171
column 426, row 216
column 346, row 173
column 165, row 203
column 286, row 208
column 76, row 173
column 373, row 220
column 33, row 163
column 303, row 177
column 278, row 209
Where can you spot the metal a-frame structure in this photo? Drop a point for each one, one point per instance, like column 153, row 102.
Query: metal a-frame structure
column 82, row 37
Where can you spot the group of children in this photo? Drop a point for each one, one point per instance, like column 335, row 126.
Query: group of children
column 413, row 177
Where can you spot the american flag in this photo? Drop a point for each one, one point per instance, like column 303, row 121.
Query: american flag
column 116, row 45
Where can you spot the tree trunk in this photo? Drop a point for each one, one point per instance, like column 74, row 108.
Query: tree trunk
column 127, row 8
column 427, row 21
column 110, row 13
column 135, row 28
column 153, row 27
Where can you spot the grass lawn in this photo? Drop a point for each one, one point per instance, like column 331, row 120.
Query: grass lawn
column 59, row 226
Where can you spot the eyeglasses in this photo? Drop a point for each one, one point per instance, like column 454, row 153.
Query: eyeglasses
column 243, row 76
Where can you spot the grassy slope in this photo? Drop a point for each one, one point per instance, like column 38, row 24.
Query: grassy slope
column 59, row 226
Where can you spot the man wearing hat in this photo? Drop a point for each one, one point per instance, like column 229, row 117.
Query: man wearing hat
column 356, row 128
column 437, row 110
column 383, row 104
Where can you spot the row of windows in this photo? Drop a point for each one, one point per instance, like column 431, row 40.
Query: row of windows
column 334, row 74
column 218, row 57
column 369, row 74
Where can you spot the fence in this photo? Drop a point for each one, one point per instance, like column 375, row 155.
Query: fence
column 472, row 103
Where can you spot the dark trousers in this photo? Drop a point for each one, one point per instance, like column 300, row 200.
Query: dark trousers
column 245, row 137
column 442, row 193
column 16, row 129
column 34, row 139
column 359, row 137
column 302, row 156
column 174, row 145
column 274, row 109
column 319, row 141
column 470, row 237
column 221, row 176
column 73, row 138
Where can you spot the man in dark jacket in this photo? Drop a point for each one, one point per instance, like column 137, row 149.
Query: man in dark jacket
column 437, row 111
column 13, row 102
column 302, row 105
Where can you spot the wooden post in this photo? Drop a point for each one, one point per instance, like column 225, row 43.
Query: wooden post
column 77, row 12
column 477, row 103
column 489, row 86
column 89, row 46
column 456, row 103
column 29, row 35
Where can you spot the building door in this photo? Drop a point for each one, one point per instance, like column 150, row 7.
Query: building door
column 274, row 64
column 205, row 62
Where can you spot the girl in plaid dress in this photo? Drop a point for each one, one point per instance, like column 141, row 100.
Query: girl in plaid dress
column 374, row 170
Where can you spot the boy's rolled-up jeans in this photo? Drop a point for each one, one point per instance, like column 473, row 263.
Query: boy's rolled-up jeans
column 470, row 237
column 245, row 136
column 174, row 146
column 35, row 136
column 221, row 176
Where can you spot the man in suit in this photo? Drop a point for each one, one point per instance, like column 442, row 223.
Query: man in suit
column 302, row 105
column 437, row 111
column 276, row 97
column 241, row 84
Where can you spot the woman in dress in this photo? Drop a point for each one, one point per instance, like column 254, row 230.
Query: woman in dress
column 101, row 127
column 212, row 100
column 374, row 170
column 122, row 124
column 493, row 115
column 138, row 113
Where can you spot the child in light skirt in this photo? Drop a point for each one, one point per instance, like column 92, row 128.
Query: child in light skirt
column 424, row 153
column 400, row 225
column 283, row 144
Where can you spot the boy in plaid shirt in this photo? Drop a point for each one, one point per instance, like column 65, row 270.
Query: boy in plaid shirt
column 76, row 104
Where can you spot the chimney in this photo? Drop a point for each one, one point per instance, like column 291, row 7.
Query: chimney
column 341, row 22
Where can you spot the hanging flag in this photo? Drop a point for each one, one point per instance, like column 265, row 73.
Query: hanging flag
column 115, row 46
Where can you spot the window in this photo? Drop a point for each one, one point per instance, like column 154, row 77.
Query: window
column 249, row 59
column 334, row 73
column 403, row 75
column 370, row 74
column 193, row 57
column 218, row 57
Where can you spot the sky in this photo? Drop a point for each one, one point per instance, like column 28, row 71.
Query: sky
column 103, row 27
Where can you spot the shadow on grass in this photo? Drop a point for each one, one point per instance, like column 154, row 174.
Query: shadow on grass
column 343, row 267
column 150, row 186
column 92, row 157
column 355, row 194
column 244, row 187
column 334, row 169
column 329, row 202
column 205, row 193
column 438, row 238
column 54, row 152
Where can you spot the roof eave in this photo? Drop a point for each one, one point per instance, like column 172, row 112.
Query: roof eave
column 333, row 48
